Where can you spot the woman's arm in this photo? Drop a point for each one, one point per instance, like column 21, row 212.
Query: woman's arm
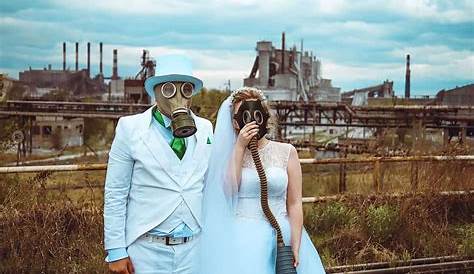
column 294, row 203
column 236, row 160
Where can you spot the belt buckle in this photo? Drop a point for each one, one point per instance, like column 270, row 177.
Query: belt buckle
column 172, row 241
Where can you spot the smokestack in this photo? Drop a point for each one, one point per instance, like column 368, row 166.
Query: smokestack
column 114, row 68
column 77, row 56
column 407, row 78
column 88, row 59
column 282, row 70
column 100, row 58
column 64, row 55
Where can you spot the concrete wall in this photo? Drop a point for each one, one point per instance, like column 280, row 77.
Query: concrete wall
column 49, row 132
column 285, row 81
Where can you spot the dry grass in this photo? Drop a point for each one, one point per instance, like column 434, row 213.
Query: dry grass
column 60, row 230
column 44, row 232
column 360, row 230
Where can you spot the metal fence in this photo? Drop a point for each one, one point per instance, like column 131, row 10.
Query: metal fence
column 374, row 162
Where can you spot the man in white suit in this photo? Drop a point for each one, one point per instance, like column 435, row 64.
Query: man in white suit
column 155, row 174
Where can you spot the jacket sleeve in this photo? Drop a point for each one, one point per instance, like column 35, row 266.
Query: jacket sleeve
column 117, row 186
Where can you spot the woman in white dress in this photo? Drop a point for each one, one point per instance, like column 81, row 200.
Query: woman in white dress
column 237, row 237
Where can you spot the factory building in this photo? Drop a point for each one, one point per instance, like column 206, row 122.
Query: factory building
column 78, row 82
column 57, row 132
column 132, row 90
column 289, row 74
column 458, row 96
column 127, row 90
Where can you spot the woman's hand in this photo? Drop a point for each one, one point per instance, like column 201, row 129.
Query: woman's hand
column 246, row 134
column 296, row 258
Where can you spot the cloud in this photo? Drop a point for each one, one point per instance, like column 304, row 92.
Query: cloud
column 433, row 61
column 359, row 42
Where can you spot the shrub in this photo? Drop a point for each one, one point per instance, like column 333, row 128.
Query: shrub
column 331, row 216
column 381, row 222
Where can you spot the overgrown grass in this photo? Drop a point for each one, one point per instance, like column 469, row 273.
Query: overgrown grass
column 361, row 230
column 47, row 227
column 44, row 232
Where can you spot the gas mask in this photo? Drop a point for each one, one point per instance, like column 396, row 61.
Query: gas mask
column 253, row 110
column 174, row 99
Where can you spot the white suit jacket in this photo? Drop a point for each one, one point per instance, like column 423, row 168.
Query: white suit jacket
column 146, row 181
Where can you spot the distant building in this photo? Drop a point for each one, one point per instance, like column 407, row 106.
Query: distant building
column 360, row 97
column 289, row 75
column 458, row 96
column 127, row 90
column 116, row 91
column 78, row 83
column 135, row 91
column 57, row 132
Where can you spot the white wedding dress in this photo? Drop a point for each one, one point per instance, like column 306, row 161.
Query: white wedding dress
column 254, row 235
column 236, row 237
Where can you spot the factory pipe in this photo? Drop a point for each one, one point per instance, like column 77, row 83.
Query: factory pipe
column 100, row 59
column 64, row 55
column 77, row 56
column 115, row 69
column 88, row 59
column 407, row 78
column 428, row 158
column 282, row 69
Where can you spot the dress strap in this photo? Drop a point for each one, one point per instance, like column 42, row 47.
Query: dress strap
column 287, row 150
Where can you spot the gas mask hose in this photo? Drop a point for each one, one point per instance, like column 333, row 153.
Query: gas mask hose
column 284, row 260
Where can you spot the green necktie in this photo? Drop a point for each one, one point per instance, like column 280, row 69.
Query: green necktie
column 177, row 144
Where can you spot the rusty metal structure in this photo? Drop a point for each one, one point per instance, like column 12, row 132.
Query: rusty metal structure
column 304, row 115
column 100, row 166
column 383, row 90
column 309, row 115
column 444, row 265
column 288, row 113
column 374, row 162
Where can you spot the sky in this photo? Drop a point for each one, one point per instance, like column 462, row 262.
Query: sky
column 359, row 43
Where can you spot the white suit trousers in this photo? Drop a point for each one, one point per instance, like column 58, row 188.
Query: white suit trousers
column 158, row 258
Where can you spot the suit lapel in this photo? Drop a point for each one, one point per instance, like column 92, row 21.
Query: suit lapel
column 160, row 149
column 201, row 137
column 179, row 171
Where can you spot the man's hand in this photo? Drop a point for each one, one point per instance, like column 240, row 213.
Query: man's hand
column 123, row 266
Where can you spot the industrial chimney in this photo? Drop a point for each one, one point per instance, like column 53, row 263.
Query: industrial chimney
column 407, row 78
column 89, row 59
column 114, row 68
column 64, row 55
column 77, row 56
column 100, row 59
column 282, row 70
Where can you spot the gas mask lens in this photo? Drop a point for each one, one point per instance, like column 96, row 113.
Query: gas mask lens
column 258, row 116
column 247, row 117
column 187, row 90
column 168, row 90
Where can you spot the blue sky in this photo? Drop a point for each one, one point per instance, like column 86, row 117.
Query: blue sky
column 360, row 43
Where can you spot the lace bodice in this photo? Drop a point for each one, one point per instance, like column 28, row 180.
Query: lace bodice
column 274, row 158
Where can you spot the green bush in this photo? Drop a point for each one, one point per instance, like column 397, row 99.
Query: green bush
column 466, row 234
column 381, row 222
column 327, row 217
